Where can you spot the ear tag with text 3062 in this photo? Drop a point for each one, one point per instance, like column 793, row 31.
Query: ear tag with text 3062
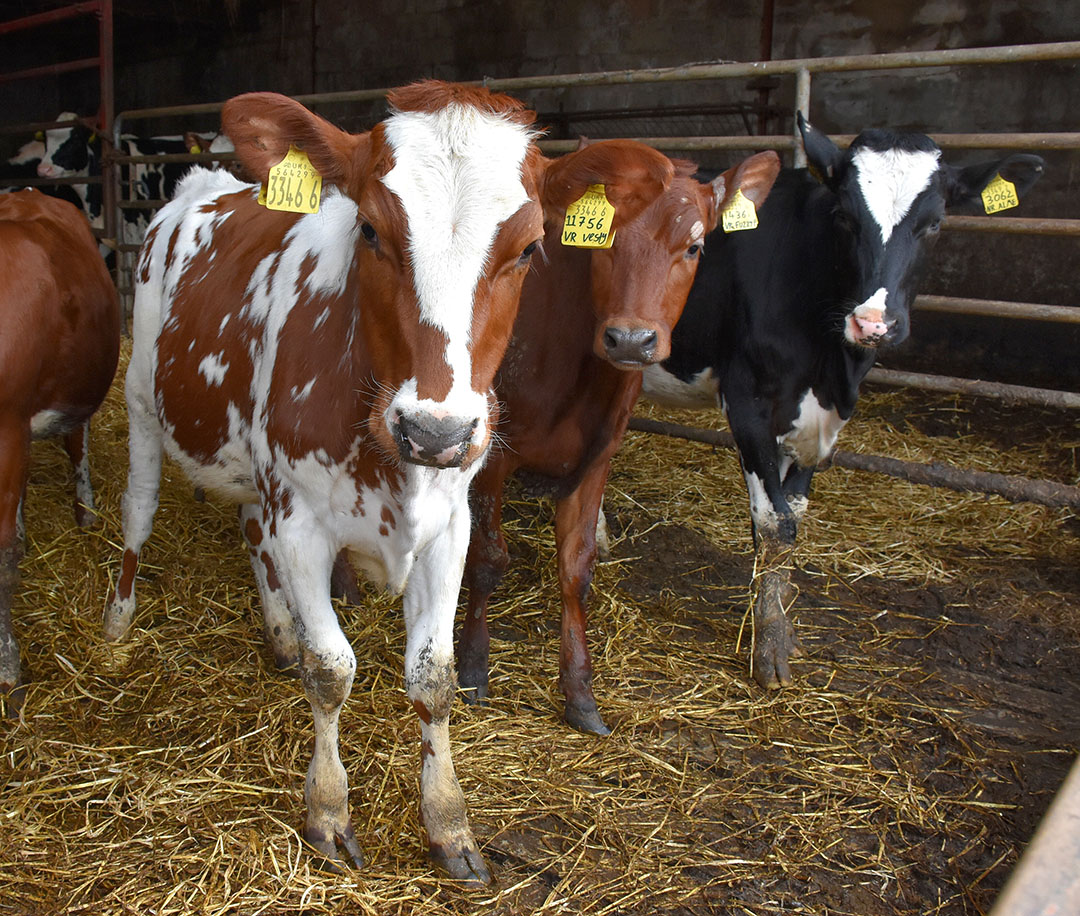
column 999, row 195
column 588, row 220
column 293, row 185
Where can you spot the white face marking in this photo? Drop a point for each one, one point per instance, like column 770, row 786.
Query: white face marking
column 697, row 230
column 457, row 173
column 813, row 434
column 891, row 180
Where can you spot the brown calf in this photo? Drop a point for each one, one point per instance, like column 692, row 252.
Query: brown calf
column 568, row 385
column 59, row 342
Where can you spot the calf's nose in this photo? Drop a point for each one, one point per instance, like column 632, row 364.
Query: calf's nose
column 438, row 442
column 630, row 345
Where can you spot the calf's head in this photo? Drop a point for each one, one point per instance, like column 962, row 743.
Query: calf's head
column 68, row 150
column 444, row 219
column 662, row 215
column 892, row 190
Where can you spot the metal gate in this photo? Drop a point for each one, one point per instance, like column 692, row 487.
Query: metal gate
column 801, row 71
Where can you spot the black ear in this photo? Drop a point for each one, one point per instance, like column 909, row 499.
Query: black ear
column 964, row 185
column 821, row 152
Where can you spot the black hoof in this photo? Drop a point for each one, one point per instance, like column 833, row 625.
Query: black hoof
column 586, row 719
column 466, row 866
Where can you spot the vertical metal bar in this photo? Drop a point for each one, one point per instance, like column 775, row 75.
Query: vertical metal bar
column 802, row 103
column 765, row 53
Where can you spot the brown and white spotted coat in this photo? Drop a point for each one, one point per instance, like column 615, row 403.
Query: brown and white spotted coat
column 331, row 372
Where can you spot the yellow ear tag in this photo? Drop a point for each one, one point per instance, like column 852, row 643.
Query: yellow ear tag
column 999, row 195
column 195, row 149
column 293, row 185
column 588, row 220
column 739, row 214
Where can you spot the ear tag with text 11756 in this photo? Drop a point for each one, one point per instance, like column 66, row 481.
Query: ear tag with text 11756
column 588, row 220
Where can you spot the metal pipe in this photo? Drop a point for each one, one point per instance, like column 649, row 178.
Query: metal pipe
column 110, row 186
column 1011, row 487
column 998, row 308
column 49, row 17
column 1010, row 394
column 87, row 63
column 1016, row 224
column 1060, row 50
column 802, row 103
column 1046, row 880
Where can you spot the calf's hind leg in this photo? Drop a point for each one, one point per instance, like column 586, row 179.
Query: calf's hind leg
column 14, row 458
column 76, row 444
column 279, row 630
column 139, row 505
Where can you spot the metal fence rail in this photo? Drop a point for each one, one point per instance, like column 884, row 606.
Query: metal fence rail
column 802, row 69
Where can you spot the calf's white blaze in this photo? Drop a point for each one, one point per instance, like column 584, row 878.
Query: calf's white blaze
column 890, row 180
column 457, row 174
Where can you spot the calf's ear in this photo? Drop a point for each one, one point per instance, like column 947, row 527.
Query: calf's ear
column 754, row 176
column 633, row 176
column 263, row 125
column 963, row 186
column 821, row 153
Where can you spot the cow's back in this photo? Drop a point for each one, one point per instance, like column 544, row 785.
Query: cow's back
column 233, row 303
column 59, row 320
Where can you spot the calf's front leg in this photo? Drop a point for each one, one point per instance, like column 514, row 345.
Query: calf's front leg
column 430, row 603
column 301, row 564
column 575, row 544
column 775, row 525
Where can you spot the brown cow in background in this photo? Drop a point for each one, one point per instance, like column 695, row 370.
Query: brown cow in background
column 59, row 343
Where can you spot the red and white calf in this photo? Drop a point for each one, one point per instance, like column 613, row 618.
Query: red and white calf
column 332, row 373
column 59, row 342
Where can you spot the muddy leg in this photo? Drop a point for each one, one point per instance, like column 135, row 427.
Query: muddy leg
column 775, row 642
column 14, row 460
column 430, row 603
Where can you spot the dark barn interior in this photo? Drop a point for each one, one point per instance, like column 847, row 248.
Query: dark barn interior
column 937, row 712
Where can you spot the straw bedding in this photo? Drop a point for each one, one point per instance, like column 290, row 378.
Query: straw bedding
column 931, row 722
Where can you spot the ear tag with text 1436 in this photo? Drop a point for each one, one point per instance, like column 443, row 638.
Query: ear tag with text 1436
column 999, row 195
column 739, row 214
column 588, row 220
column 293, row 185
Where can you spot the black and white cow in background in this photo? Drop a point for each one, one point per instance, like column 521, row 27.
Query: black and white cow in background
column 75, row 150
column 784, row 321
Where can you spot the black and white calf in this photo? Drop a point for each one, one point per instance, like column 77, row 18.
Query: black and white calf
column 784, row 321
column 75, row 150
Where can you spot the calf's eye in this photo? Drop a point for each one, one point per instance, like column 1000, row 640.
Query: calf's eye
column 369, row 233
column 527, row 251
